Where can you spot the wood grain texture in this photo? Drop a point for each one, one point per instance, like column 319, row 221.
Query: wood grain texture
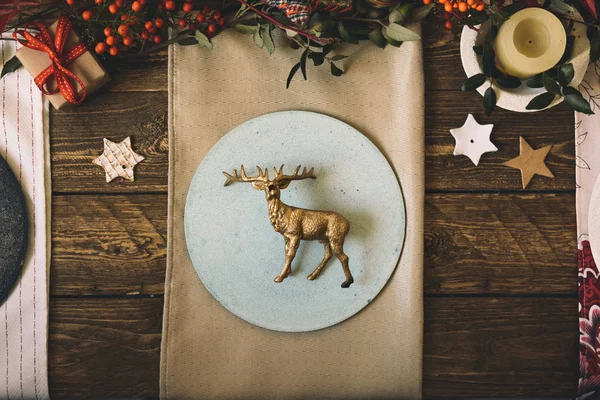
column 77, row 139
column 109, row 245
column 104, row 347
column 500, row 244
column 500, row 347
column 473, row 347
column 474, row 244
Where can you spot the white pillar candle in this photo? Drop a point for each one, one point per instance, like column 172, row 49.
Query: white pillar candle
column 532, row 41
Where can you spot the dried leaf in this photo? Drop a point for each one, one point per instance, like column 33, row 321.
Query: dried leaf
column 265, row 31
column 489, row 101
column 293, row 71
column 473, row 83
column 541, row 101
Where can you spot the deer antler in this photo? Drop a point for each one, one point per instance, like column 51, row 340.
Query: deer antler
column 279, row 176
column 262, row 177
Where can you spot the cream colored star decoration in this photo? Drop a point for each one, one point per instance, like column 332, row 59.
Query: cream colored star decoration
column 530, row 162
column 118, row 159
column 473, row 140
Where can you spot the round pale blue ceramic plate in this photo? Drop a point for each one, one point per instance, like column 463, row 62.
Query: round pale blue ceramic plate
column 236, row 251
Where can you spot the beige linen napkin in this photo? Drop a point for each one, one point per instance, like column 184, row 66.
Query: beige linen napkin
column 207, row 352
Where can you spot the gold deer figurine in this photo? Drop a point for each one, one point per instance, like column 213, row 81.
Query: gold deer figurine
column 296, row 224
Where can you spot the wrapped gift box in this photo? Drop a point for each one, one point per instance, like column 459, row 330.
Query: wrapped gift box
column 86, row 67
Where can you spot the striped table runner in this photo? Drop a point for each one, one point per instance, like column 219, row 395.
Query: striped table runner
column 24, row 315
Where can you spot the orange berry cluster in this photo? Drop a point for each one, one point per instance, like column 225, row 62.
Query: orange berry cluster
column 463, row 6
column 128, row 27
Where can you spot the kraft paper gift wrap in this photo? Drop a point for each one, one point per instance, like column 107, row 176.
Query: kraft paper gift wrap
column 86, row 67
column 207, row 352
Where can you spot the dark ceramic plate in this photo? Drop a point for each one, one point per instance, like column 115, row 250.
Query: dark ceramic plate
column 13, row 229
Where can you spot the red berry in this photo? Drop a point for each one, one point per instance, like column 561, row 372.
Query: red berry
column 124, row 17
column 113, row 51
column 448, row 24
column 212, row 28
column 152, row 30
column 182, row 23
column 108, row 31
column 100, row 48
column 200, row 17
column 187, row 7
column 159, row 22
column 111, row 40
column 133, row 19
column 160, row 7
column 145, row 35
column 70, row 2
column 127, row 40
column 206, row 9
column 113, row 9
column 148, row 25
column 217, row 14
column 221, row 21
column 170, row 5
column 142, row 2
column 447, row 16
column 123, row 30
column 119, row 3
column 98, row 1
column 157, row 39
column 136, row 6
column 192, row 26
column 86, row 15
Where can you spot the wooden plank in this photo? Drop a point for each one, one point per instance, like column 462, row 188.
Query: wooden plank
column 447, row 110
column 105, row 347
column 109, row 245
column 500, row 244
column 76, row 139
column 498, row 347
column 474, row 244
column 141, row 74
column 473, row 347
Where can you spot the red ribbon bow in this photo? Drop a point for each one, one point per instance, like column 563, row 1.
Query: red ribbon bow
column 43, row 42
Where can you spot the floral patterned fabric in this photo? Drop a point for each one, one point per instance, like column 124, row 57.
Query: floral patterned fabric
column 587, row 159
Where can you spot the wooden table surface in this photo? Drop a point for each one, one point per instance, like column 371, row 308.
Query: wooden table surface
column 500, row 262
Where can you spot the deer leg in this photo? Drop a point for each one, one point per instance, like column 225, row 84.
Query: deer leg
column 328, row 254
column 338, row 250
column 290, row 253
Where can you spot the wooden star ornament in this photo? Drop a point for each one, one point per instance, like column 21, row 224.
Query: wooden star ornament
column 530, row 162
column 118, row 159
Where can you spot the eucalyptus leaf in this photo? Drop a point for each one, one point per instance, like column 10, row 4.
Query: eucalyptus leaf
column 303, row 63
column 476, row 18
column 550, row 84
column 346, row 36
column 293, row 71
column 390, row 41
column 508, row 81
column 541, row 101
column 318, row 58
column 489, row 101
column 535, row 82
column 562, row 6
column 488, row 62
column 258, row 40
column 399, row 33
column 419, row 13
column 396, row 16
column 246, row 29
column 377, row 38
column 491, row 37
column 10, row 66
column 508, row 11
column 575, row 100
column 335, row 71
column 265, row 33
column 338, row 57
column 565, row 74
column 203, row 41
column 473, row 83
